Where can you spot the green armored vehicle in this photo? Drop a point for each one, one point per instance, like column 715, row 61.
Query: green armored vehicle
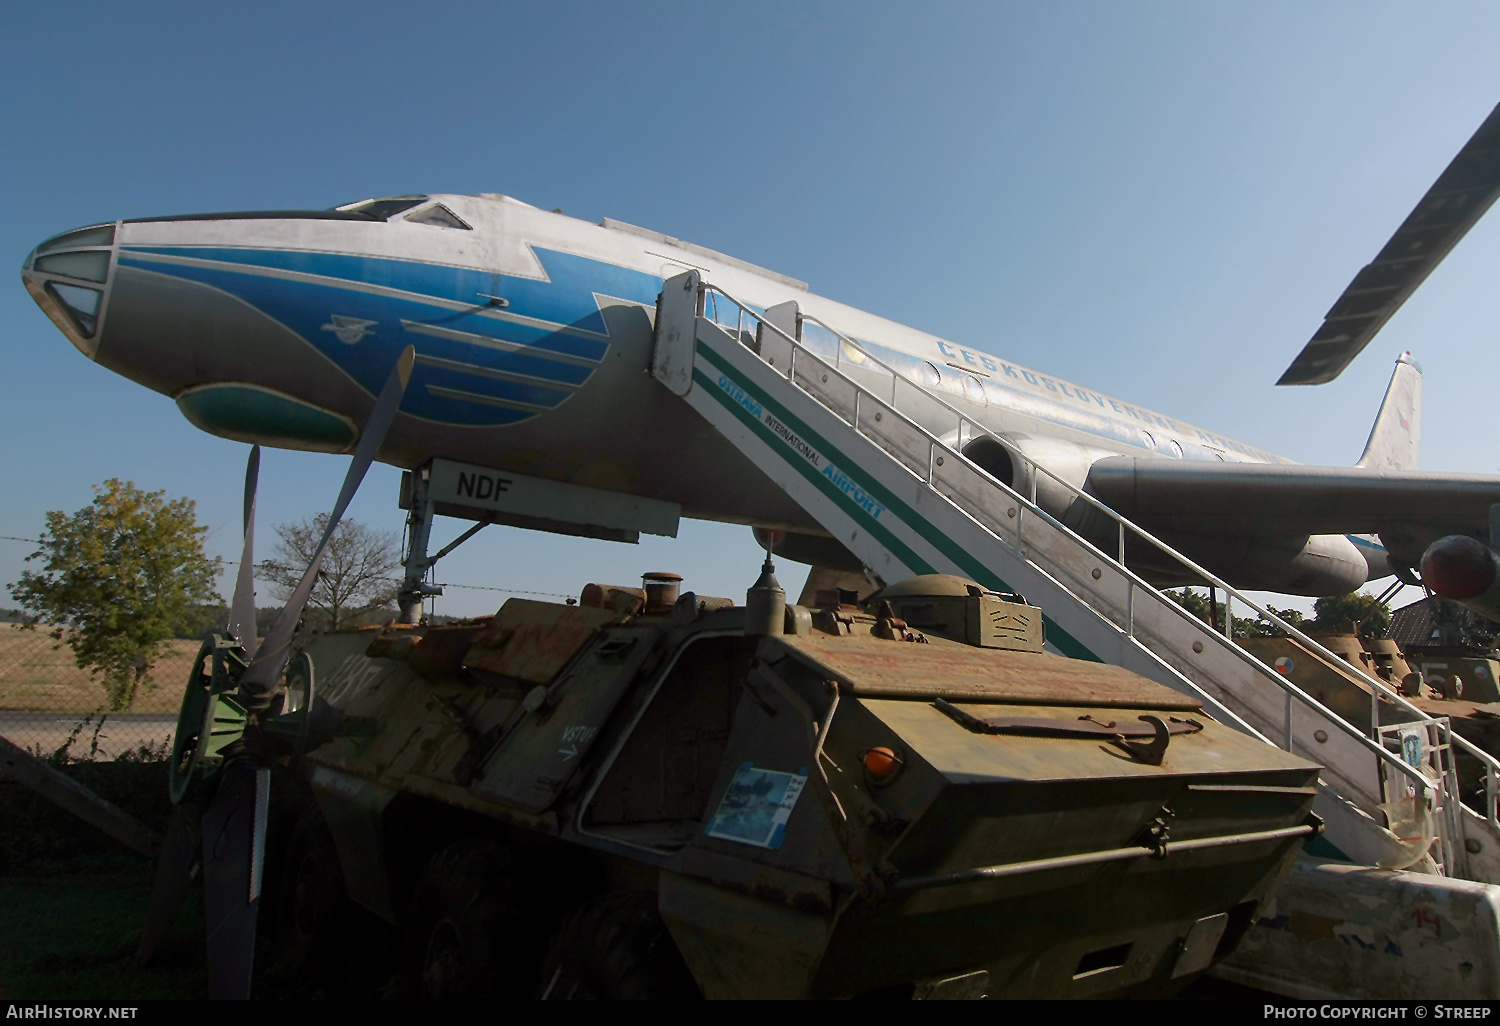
column 647, row 794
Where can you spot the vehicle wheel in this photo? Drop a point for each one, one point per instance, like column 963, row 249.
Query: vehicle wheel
column 476, row 927
column 615, row 948
column 313, row 910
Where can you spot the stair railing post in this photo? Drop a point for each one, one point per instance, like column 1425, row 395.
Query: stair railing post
column 1288, row 745
column 1491, row 794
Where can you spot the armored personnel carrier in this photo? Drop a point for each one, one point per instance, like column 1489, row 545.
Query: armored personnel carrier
column 649, row 793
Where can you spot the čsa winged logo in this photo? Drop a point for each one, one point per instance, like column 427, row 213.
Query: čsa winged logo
column 349, row 330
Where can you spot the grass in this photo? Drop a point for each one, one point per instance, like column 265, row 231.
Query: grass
column 36, row 675
column 72, row 902
column 73, row 937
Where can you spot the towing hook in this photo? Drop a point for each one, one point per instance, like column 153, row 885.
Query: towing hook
column 1150, row 752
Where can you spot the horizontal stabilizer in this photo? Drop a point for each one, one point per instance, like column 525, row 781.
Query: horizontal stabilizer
column 1460, row 196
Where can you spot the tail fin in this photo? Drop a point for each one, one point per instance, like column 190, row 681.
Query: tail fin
column 1396, row 439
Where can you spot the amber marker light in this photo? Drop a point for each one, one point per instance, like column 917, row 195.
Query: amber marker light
column 882, row 764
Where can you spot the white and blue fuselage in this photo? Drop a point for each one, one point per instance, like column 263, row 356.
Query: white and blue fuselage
column 533, row 334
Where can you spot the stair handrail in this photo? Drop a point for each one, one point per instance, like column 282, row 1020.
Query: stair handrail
column 1289, row 687
column 1124, row 524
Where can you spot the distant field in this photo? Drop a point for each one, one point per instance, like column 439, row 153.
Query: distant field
column 34, row 675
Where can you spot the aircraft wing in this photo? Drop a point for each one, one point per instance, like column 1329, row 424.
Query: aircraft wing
column 1460, row 196
column 1408, row 507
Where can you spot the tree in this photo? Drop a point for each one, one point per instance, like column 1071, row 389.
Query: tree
column 1244, row 627
column 1370, row 616
column 121, row 576
column 1265, row 628
column 358, row 571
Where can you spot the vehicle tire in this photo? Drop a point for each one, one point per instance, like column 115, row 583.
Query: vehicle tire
column 313, row 911
column 615, row 948
column 476, row 927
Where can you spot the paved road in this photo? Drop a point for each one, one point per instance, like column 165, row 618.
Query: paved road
column 122, row 732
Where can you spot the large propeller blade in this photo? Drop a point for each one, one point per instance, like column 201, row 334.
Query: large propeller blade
column 176, row 867
column 242, row 610
column 259, row 680
column 1460, row 196
column 234, row 844
column 228, row 840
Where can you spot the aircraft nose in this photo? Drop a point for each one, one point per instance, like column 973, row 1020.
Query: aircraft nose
column 68, row 276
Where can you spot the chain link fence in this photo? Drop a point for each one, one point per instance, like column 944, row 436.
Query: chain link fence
column 47, row 702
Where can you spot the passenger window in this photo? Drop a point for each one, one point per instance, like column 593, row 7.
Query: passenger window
column 973, row 390
column 440, row 216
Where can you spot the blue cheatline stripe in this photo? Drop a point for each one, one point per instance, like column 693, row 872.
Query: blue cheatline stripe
column 1060, row 638
column 565, row 297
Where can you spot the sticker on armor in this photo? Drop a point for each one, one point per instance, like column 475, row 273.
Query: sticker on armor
column 756, row 806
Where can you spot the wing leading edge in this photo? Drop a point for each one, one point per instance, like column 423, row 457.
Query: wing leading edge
column 1460, row 196
column 1408, row 509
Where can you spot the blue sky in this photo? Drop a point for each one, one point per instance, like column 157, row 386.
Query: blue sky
column 1158, row 199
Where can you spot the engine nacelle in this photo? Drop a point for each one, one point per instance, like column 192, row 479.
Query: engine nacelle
column 1465, row 570
column 1069, row 461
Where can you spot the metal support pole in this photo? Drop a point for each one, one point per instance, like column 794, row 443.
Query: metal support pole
column 418, row 531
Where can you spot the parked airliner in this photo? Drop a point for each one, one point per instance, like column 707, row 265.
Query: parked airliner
column 533, row 335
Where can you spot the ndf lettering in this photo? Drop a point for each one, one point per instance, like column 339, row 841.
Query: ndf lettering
column 481, row 486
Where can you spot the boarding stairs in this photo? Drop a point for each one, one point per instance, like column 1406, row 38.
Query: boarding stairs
column 875, row 458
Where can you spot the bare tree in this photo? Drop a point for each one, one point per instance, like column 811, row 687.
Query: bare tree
column 358, row 571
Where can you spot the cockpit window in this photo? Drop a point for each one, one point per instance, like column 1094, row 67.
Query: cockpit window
column 81, row 304
column 384, row 209
column 438, row 215
column 103, row 235
column 90, row 265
